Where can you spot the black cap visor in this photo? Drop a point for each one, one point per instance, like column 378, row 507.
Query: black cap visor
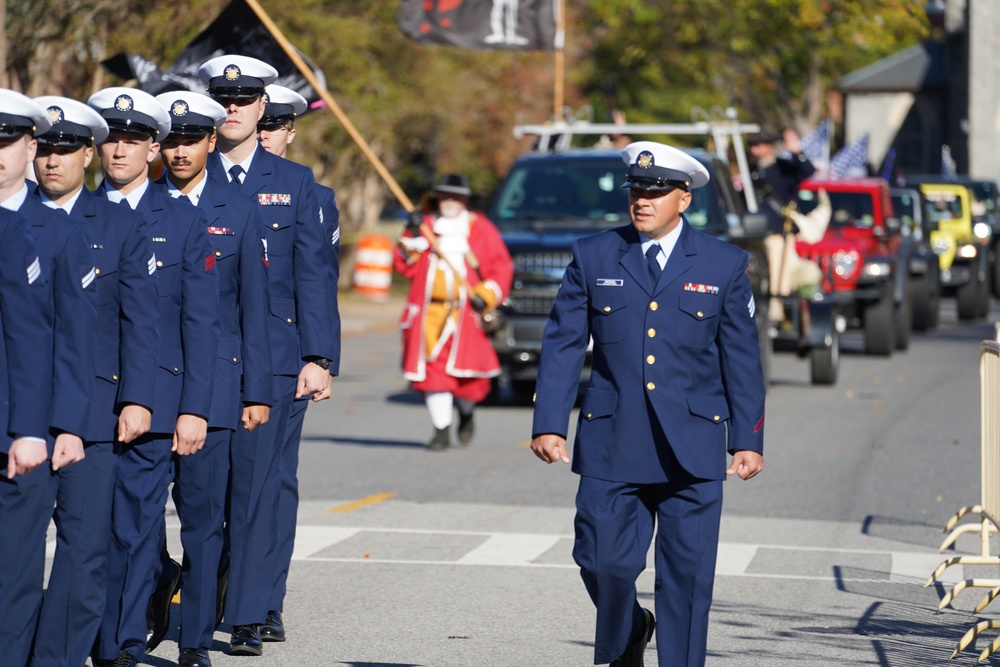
column 240, row 88
column 12, row 127
column 67, row 134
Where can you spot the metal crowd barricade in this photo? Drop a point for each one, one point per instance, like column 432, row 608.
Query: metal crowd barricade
column 988, row 510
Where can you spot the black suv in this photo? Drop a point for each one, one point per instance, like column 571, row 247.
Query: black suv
column 548, row 200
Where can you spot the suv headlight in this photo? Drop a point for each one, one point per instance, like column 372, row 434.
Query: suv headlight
column 877, row 269
column 845, row 263
column 981, row 230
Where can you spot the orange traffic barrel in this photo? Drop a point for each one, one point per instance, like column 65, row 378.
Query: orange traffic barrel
column 373, row 267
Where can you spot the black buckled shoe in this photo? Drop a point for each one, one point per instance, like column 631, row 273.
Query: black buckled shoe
column 439, row 441
column 245, row 641
column 466, row 428
column 158, row 607
column 273, row 629
column 632, row 657
column 194, row 657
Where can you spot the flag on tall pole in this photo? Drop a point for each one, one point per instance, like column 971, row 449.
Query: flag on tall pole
column 513, row 25
column 851, row 161
column 816, row 145
column 236, row 31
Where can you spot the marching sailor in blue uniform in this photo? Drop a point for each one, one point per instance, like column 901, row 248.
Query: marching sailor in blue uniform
column 276, row 131
column 127, row 340
column 304, row 349
column 64, row 250
column 243, row 386
column 189, row 338
column 675, row 383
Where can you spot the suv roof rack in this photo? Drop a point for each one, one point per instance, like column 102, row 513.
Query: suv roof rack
column 558, row 136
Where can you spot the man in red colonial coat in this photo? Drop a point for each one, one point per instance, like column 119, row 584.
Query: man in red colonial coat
column 459, row 268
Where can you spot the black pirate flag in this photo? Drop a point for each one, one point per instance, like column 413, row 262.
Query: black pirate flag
column 236, row 31
column 518, row 25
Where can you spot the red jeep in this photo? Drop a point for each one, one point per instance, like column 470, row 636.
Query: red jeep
column 863, row 259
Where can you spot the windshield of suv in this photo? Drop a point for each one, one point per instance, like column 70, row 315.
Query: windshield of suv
column 572, row 191
column 942, row 206
column 850, row 209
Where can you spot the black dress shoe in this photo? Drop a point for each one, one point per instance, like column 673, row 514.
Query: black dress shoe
column 466, row 428
column 123, row 660
column 632, row 657
column 439, row 440
column 194, row 657
column 158, row 607
column 245, row 641
column 273, row 629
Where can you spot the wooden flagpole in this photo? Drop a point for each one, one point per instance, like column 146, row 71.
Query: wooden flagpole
column 321, row 90
column 560, row 63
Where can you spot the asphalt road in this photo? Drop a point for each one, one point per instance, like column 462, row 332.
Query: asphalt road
column 462, row 558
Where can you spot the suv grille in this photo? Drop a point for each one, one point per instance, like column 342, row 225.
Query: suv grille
column 542, row 262
column 531, row 305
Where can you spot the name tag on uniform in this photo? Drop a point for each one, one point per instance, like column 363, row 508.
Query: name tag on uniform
column 221, row 231
column 159, row 239
column 701, row 289
column 610, row 282
column 267, row 199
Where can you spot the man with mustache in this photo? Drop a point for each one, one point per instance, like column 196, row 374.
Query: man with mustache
column 243, row 390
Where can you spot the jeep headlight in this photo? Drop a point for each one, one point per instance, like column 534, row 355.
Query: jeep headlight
column 877, row 269
column 981, row 230
column 967, row 251
column 845, row 262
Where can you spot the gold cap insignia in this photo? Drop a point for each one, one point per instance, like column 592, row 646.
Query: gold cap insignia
column 55, row 115
column 645, row 160
column 179, row 108
column 123, row 103
column 232, row 72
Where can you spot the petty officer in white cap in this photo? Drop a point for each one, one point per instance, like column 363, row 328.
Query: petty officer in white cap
column 189, row 330
column 243, row 388
column 305, row 344
column 125, row 283
column 26, row 479
column 276, row 131
column 675, row 382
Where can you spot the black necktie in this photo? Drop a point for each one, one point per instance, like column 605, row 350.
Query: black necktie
column 235, row 171
column 654, row 264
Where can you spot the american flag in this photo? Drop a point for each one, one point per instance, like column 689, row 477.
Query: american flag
column 851, row 161
column 948, row 166
column 816, row 145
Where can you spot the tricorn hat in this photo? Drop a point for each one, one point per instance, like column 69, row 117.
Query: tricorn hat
column 456, row 184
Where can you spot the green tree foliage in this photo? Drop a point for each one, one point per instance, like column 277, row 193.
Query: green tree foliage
column 774, row 60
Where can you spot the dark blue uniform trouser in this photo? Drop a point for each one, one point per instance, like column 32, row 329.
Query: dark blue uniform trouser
column 288, row 501
column 74, row 601
column 614, row 527
column 25, row 509
column 144, row 472
column 253, row 507
column 200, row 482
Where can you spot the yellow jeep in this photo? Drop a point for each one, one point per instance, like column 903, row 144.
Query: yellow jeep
column 962, row 247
